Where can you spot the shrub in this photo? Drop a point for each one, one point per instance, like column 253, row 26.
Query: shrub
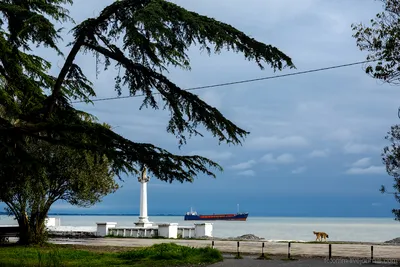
column 172, row 252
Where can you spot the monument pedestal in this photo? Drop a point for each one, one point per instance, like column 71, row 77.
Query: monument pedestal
column 143, row 224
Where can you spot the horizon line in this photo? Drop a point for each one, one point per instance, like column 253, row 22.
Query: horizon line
column 179, row 215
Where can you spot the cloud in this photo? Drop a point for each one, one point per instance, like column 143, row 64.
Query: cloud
column 370, row 170
column 212, row 97
column 319, row 153
column 364, row 162
column 311, row 107
column 341, row 135
column 269, row 12
column 61, row 206
column 247, row 173
column 299, row 170
column 274, row 142
column 353, row 148
column 376, row 204
column 282, row 159
column 212, row 154
column 244, row 165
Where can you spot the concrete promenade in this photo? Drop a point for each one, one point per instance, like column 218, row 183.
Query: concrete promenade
column 354, row 251
column 252, row 262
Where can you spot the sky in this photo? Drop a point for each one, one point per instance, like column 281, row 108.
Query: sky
column 315, row 139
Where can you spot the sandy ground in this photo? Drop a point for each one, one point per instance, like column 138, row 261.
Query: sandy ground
column 354, row 251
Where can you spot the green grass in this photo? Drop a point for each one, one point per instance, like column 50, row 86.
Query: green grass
column 157, row 255
column 172, row 255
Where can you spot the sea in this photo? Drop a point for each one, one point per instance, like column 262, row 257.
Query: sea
column 269, row 228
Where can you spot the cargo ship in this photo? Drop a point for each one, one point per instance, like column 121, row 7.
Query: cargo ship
column 194, row 216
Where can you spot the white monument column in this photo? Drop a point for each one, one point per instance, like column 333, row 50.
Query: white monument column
column 143, row 218
column 143, row 203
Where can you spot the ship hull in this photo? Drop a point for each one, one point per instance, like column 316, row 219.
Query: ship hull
column 217, row 217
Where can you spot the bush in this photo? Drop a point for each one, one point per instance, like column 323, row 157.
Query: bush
column 171, row 252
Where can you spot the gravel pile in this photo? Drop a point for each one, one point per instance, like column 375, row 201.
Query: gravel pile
column 246, row 237
column 249, row 237
column 395, row 241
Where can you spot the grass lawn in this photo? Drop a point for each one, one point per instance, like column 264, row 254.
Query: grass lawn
column 159, row 255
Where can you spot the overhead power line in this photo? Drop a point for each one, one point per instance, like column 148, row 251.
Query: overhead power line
column 242, row 81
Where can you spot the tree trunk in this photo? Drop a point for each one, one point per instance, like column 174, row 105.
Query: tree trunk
column 33, row 230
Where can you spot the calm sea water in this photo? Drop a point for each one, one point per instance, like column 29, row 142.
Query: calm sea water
column 270, row 228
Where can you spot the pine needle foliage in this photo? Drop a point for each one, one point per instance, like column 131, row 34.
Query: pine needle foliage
column 143, row 38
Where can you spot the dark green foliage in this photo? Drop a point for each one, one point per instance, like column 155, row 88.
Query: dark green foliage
column 155, row 34
column 29, row 186
column 170, row 252
column 382, row 39
column 80, row 179
column 26, row 23
column 391, row 159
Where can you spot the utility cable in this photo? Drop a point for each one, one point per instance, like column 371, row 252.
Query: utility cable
column 242, row 81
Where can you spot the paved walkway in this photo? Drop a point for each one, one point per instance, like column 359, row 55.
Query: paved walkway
column 297, row 249
column 251, row 262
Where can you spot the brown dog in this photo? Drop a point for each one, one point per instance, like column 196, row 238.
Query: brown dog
column 320, row 235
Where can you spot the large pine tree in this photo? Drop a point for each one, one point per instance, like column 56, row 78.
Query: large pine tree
column 141, row 37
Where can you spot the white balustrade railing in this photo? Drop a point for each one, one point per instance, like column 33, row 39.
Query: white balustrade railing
column 133, row 232
column 167, row 230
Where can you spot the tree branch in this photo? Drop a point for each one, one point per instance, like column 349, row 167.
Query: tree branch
column 63, row 73
column 83, row 31
column 211, row 118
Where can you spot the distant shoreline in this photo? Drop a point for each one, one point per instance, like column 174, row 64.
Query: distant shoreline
column 181, row 215
column 105, row 214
